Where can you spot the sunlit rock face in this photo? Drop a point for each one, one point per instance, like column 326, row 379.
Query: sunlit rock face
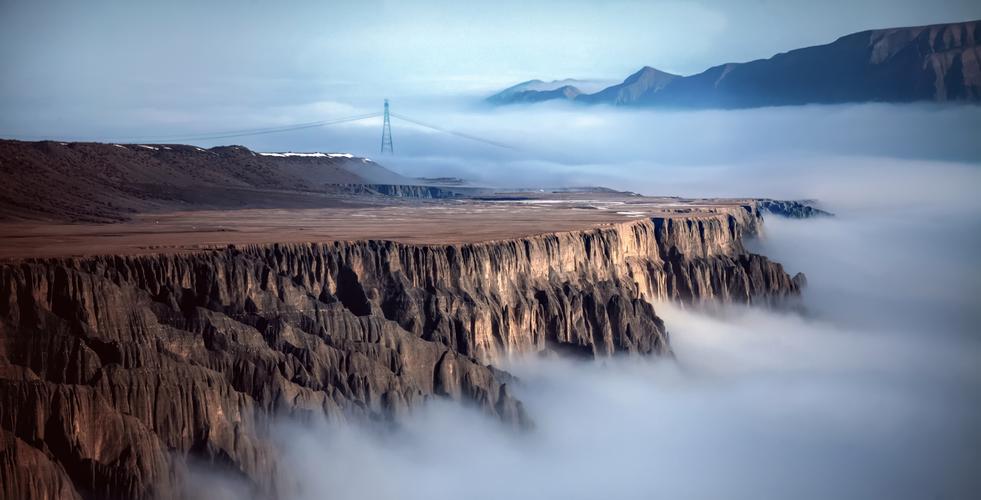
column 115, row 371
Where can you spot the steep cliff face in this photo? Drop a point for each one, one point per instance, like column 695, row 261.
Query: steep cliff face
column 115, row 370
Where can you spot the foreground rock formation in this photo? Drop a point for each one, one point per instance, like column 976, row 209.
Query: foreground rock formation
column 115, row 371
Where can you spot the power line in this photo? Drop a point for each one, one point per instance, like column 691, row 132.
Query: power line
column 269, row 129
column 387, row 132
column 264, row 131
column 224, row 134
column 453, row 132
column 227, row 134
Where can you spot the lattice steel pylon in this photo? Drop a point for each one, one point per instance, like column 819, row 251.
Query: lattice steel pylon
column 387, row 132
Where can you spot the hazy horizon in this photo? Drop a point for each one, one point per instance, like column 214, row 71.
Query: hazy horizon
column 109, row 70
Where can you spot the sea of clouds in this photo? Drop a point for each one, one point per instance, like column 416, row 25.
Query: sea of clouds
column 872, row 391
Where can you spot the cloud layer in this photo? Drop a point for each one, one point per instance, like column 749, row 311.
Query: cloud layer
column 873, row 392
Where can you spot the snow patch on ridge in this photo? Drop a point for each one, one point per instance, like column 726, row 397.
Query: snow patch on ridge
column 310, row 155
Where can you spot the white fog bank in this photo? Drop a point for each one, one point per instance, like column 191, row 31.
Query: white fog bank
column 758, row 405
column 873, row 391
column 850, row 156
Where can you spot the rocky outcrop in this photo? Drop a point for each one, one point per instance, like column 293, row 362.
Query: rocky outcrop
column 791, row 209
column 400, row 190
column 114, row 371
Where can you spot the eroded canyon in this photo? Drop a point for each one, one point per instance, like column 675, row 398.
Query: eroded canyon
column 122, row 363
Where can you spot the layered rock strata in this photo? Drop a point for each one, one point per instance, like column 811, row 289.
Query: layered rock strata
column 399, row 190
column 115, row 371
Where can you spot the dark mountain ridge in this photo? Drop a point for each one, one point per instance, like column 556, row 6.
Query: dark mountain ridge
column 940, row 63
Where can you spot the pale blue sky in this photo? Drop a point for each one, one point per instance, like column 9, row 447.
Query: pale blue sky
column 101, row 65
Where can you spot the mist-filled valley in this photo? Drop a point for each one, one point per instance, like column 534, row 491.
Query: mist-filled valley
column 826, row 152
column 871, row 388
column 873, row 392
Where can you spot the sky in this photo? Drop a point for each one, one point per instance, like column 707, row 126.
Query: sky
column 110, row 68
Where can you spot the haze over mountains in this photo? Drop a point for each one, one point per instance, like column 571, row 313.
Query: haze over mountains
column 938, row 63
column 537, row 90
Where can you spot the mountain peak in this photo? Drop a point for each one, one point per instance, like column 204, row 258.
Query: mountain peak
column 647, row 80
column 649, row 74
column 540, row 90
column 918, row 63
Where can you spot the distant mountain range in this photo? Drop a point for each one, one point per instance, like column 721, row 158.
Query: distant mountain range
column 941, row 62
column 538, row 90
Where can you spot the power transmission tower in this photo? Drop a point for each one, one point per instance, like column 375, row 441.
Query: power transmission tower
column 387, row 132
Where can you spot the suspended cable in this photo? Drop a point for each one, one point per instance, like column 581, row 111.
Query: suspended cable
column 453, row 132
column 262, row 131
column 218, row 134
column 254, row 130
column 227, row 134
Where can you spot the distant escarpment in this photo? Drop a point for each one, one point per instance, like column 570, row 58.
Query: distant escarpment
column 940, row 63
column 116, row 371
column 402, row 190
column 791, row 209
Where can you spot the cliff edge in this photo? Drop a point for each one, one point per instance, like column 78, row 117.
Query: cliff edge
column 115, row 371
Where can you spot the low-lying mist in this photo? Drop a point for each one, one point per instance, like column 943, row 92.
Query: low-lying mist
column 882, row 154
column 581, row 143
column 872, row 391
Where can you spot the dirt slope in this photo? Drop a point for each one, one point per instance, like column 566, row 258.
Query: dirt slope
column 110, row 182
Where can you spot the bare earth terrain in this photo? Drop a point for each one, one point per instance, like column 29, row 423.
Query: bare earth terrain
column 79, row 199
column 407, row 221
